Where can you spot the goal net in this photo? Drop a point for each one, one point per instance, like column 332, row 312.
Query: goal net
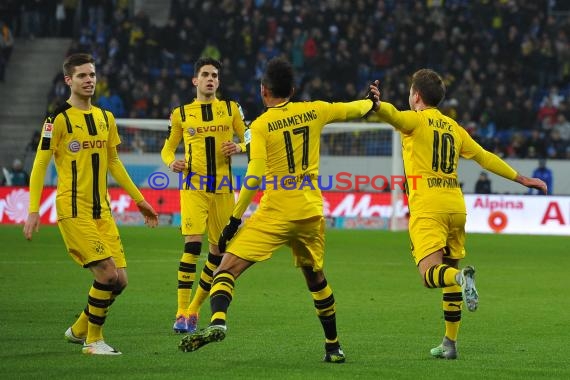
column 361, row 170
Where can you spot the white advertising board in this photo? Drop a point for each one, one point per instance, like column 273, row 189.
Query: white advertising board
column 518, row 214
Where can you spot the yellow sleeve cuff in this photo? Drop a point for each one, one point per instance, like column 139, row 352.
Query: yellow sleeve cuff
column 41, row 163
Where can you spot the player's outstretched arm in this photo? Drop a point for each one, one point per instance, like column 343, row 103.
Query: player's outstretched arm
column 532, row 183
column 496, row 165
column 404, row 121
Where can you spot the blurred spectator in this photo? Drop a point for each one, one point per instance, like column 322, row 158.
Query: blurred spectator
column 547, row 114
column 297, row 57
column 6, row 40
column 6, row 45
column 562, row 125
column 268, row 49
column 554, row 96
column 211, row 50
column 16, row 175
column 544, row 174
column 30, row 18
column 59, row 18
column 555, row 146
column 112, row 102
column 535, row 146
column 517, row 147
column 483, row 184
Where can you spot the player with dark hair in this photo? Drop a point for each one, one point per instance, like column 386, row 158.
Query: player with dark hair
column 284, row 144
column 207, row 125
column 83, row 140
column 431, row 146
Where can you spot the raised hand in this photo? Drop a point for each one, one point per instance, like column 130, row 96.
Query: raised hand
column 374, row 94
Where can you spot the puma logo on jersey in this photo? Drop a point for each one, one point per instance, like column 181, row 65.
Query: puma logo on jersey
column 79, row 126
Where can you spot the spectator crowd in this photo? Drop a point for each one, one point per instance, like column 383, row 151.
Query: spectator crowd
column 506, row 63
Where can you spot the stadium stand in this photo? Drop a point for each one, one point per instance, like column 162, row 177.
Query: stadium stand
column 506, row 63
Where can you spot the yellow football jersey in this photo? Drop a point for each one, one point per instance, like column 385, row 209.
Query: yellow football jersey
column 287, row 137
column 79, row 141
column 204, row 126
column 431, row 146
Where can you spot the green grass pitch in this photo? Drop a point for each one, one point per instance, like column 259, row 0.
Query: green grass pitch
column 387, row 321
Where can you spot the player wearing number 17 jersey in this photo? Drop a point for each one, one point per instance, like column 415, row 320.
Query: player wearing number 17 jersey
column 207, row 125
column 431, row 146
column 284, row 147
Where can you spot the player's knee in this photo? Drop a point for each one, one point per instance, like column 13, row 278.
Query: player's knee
column 316, row 281
column 108, row 277
column 193, row 247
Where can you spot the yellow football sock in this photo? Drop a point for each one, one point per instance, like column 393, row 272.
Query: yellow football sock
column 440, row 276
column 325, row 306
column 187, row 275
column 98, row 302
column 205, row 284
column 79, row 328
column 221, row 296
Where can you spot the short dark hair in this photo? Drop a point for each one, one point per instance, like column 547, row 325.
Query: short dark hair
column 430, row 86
column 75, row 60
column 206, row 61
column 279, row 78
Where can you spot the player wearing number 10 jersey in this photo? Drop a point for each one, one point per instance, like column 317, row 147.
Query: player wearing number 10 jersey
column 207, row 125
column 284, row 147
column 431, row 146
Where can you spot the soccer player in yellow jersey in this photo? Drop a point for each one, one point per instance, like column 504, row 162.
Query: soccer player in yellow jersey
column 284, row 144
column 83, row 140
column 431, row 146
column 207, row 125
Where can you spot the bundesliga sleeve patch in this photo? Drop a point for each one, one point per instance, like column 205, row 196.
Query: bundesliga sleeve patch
column 247, row 136
column 241, row 112
column 47, row 130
